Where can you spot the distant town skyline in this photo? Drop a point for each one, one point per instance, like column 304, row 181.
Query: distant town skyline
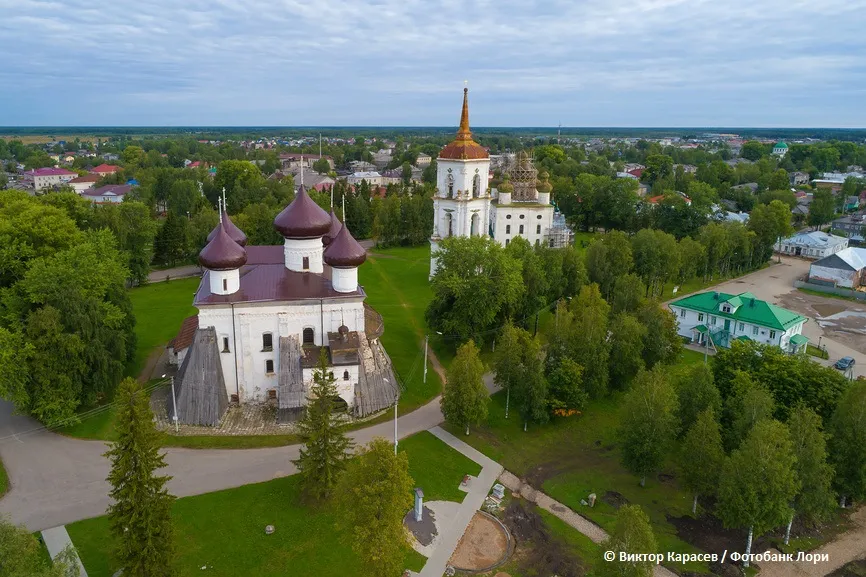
column 582, row 63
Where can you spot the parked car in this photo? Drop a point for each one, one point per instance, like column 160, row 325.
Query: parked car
column 844, row 363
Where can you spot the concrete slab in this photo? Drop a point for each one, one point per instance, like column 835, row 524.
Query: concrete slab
column 56, row 540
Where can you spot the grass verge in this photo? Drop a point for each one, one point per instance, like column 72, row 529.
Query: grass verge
column 816, row 352
column 224, row 531
column 4, row 480
column 830, row 295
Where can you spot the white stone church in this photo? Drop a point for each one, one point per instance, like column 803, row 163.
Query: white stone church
column 465, row 205
column 266, row 312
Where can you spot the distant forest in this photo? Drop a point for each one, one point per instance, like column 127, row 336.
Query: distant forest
column 250, row 132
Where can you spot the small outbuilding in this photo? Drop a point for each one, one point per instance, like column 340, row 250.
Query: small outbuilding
column 846, row 268
column 815, row 244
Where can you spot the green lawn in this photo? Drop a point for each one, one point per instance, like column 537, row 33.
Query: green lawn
column 397, row 286
column 159, row 310
column 436, row 467
column 4, row 480
column 576, row 456
column 225, row 530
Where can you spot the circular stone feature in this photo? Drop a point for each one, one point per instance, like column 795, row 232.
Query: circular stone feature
column 485, row 545
column 269, row 530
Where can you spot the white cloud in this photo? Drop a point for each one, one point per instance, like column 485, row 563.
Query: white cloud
column 662, row 62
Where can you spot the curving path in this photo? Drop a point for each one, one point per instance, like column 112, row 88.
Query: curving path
column 56, row 480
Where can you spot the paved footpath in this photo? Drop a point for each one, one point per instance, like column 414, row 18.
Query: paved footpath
column 478, row 491
column 56, row 540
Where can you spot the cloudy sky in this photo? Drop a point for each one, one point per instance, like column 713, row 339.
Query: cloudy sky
column 403, row 62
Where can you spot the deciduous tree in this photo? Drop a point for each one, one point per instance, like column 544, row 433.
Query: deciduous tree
column 626, row 346
column 588, row 342
column 696, row 393
column 848, row 443
column 814, row 500
column 373, row 496
column 465, row 398
column 21, row 555
column 632, row 533
column 662, row 344
column 758, row 482
column 648, row 423
column 702, row 456
column 140, row 514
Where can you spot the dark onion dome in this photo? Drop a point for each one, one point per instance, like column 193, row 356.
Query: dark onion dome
column 344, row 251
column 336, row 225
column 233, row 231
column 543, row 185
column 463, row 147
column 303, row 218
column 222, row 253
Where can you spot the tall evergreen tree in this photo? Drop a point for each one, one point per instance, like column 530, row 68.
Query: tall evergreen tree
column 702, row 456
column 465, row 398
column 140, row 515
column 325, row 444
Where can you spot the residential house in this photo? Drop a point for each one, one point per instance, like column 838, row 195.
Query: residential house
column 373, row 178
column 716, row 320
column 42, row 178
column 846, row 268
column 799, row 178
column 110, row 157
column 105, row 169
column 815, row 244
column 293, row 161
column 110, row 194
column 313, row 180
column 362, row 166
column 851, row 203
column 852, row 225
column 382, row 158
column 423, row 159
column 83, row 183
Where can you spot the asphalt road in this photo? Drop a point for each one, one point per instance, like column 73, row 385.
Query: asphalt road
column 57, row 480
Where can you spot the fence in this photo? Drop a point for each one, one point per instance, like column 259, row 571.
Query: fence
column 842, row 292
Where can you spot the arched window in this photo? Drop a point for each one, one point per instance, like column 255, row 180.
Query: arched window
column 267, row 342
column 225, row 285
column 309, row 336
column 450, row 221
column 521, row 229
column 345, row 375
column 507, row 229
column 450, row 181
column 476, row 186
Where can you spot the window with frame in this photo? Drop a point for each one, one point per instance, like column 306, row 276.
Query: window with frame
column 269, row 366
column 226, row 345
column 507, row 240
column 225, row 284
column 712, row 320
column 772, row 334
column 507, row 229
column 521, row 229
column 538, row 217
column 742, row 326
column 522, row 216
column 507, row 217
column 345, row 375
column 306, row 263
column 754, row 330
column 726, row 308
column 450, row 181
column 308, row 337
column 700, row 317
column 267, row 342
column 682, row 313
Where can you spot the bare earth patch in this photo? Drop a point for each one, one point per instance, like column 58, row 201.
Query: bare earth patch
column 483, row 544
column 843, row 321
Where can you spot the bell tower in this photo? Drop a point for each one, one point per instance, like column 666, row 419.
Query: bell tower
column 461, row 206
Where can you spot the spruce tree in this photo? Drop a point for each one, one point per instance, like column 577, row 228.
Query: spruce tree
column 140, row 516
column 325, row 444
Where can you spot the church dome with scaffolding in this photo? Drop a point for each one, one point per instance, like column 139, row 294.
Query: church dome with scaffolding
column 524, row 177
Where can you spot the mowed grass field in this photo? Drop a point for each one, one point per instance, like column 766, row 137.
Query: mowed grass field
column 224, row 531
column 397, row 286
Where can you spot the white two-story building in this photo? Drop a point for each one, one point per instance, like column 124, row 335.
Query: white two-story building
column 724, row 318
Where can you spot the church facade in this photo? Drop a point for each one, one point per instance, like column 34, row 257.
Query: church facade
column 466, row 205
column 266, row 313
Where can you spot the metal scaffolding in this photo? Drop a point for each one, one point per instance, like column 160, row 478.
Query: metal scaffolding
column 524, row 177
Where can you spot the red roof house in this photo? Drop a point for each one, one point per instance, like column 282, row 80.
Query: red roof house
column 104, row 169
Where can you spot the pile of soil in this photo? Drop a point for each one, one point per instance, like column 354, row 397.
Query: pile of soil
column 614, row 499
column 538, row 552
column 483, row 545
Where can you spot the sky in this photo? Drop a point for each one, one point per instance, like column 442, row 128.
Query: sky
column 742, row 63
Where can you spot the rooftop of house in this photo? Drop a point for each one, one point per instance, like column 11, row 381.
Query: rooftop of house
column 105, row 168
column 109, row 190
column 850, row 258
column 85, row 178
column 185, row 335
column 745, row 307
column 815, row 239
column 49, row 172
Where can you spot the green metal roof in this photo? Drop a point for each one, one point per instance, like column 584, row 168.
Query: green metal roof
column 743, row 338
column 780, row 144
column 746, row 309
column 799, row 339
column 701, row 329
